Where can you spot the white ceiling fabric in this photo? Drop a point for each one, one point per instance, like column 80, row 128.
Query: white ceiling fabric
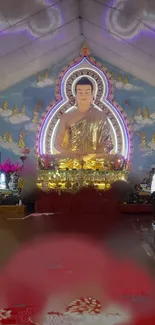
column 35, row 34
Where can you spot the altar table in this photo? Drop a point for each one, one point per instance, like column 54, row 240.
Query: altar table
column 12, row 211
column 136, row 208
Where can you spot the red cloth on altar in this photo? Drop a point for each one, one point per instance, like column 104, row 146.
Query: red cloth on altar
column 88, row 211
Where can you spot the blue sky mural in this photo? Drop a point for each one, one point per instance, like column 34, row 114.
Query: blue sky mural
column 22, row 105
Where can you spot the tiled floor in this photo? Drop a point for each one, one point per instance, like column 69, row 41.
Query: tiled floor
column 131, row 241
column 133, row 238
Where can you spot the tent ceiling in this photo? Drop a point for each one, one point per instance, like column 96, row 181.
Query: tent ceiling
column 34, row 34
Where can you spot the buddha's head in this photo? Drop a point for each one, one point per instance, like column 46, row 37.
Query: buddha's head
column 84, row 94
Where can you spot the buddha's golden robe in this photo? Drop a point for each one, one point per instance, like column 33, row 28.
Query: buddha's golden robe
column 91, row 134
column 83, row 137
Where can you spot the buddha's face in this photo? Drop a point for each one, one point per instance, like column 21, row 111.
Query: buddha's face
column 84, row 97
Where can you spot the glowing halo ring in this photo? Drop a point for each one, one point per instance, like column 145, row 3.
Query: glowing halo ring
column 54, row 128
column 63, row 103
column 103, row 90
column 114, row 108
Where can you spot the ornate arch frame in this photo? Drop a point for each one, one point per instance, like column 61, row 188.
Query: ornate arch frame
column 84, row 65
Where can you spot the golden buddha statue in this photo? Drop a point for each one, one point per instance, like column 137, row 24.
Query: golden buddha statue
column 153, row 138
column 139, row 112
column 83, row 134
column 15, row 110
column 131, row 119
column 21, row 143
column 35, row 116
column 46, row 75
column 126, row 81
column 22, row 111
column 5, row 106
column 112, row 75
column 146, row 113
column 5, row 137
column 10, row 139
column 143, row 140
column 119, row 78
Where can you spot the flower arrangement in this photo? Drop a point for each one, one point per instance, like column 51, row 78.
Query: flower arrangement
column 8, row 167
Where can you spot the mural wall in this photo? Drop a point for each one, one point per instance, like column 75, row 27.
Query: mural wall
column 22, row 105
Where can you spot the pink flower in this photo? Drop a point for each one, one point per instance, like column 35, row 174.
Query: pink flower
column 7, row 167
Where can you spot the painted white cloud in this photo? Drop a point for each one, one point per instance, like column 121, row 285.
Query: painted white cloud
column 32, row 127
column 49, row 81
column 138, row 118
column 136, row 127
column 153, row 116
column 6, row 113
column 44, row 83
column 140, row 122
column 147, row 121
column 12, row 146
column 18, row 119
column 128, row 86
column 40, row 84
column 118, row 84
column 145, row 150
column 143, row 121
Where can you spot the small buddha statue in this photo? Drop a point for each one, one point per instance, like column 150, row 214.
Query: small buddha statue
column 5, row 105
column 126, row 81
column 35, row 116
column 143, row 140
column 131, row 119
column 21, row 142
column 46, row 75
column 153, row 138
column 10, row 137
column 5, row 137
column 112, row 75
column 15, row 110
column 119, row 78
column 139, row 112
column 146, row 113
column 22, row 111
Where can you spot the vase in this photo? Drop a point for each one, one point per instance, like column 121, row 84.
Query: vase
column 7, row 180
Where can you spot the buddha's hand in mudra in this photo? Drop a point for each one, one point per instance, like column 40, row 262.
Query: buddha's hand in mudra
column 89, row 157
